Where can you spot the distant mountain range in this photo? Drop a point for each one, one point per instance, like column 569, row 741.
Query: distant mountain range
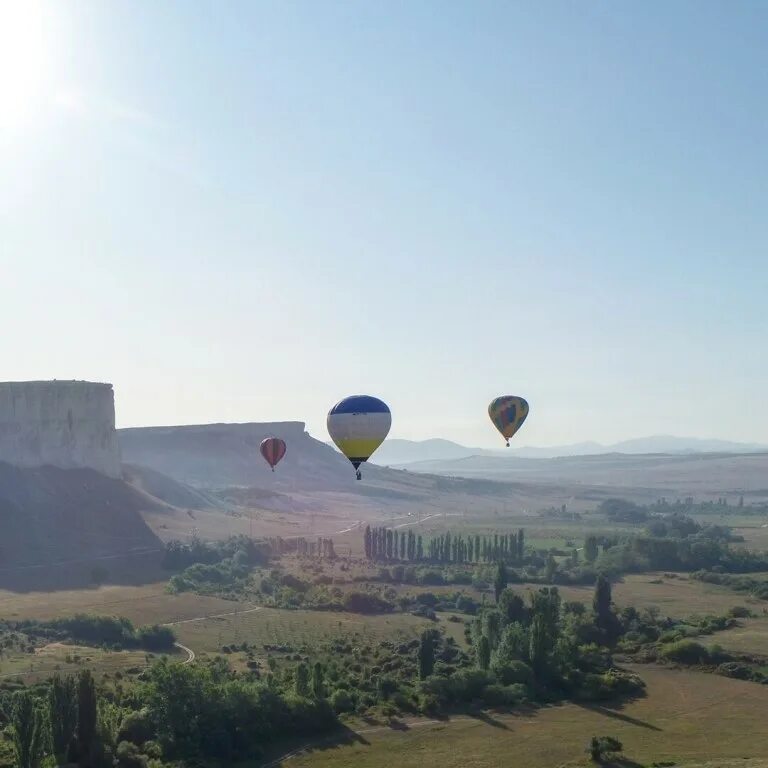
column 397, row 452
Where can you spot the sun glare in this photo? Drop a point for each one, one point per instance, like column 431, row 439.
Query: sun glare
column 22, row 59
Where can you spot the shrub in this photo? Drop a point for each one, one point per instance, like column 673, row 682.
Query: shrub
column 136, row 728
column 432, row 578
column 734, row 669
column 686, row 652
column 128, row 756
column 496, row 695
column 155, row 637
column 466, row 604
column 601, row 746
column 428, row 598
column 294, row 582
column 341, row 701
column 364, row 602
column 514, row 672
column 96, row 630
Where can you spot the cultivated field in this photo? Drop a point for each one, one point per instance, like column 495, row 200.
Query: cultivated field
column 279, row 627
column 686, row 717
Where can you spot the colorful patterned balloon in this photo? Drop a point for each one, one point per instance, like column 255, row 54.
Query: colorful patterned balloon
column 358, row 425
column 508, row 414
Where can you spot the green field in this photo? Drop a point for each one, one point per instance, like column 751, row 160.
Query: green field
column 279, row 627
column 687, row 716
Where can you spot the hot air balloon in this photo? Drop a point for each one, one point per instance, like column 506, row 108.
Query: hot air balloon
column 273, row 450
column 358, row 425
column 508, row 414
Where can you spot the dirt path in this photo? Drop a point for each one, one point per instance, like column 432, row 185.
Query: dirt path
column 211, row 616
column 190, row 653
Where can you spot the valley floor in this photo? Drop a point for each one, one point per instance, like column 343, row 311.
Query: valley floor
column 690, row 718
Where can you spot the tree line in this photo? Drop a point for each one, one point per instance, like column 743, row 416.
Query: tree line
column 385, row 545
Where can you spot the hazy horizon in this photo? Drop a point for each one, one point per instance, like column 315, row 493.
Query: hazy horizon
column 247, row 213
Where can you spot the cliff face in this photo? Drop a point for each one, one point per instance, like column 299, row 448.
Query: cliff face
column 65, row 424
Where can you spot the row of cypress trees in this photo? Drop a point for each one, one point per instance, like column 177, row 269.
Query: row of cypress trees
column 386, row 544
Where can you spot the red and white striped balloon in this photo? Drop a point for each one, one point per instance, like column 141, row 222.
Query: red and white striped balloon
column 273, row 450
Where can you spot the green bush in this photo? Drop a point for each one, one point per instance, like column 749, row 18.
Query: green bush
column 685, row 652
column 496, row 695
column 128, row 756
column 514, row 672
column 155, row 637
column 364, row 602
column 341, row 702
column 136, row 728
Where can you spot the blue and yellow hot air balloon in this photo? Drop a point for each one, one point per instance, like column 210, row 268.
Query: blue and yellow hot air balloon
column 358, row 425
column 508, row 413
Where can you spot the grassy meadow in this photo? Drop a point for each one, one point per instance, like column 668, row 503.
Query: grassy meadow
column 686, row 716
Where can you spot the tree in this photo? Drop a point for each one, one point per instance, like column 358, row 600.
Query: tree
column 426, row 653
column 483, row 653
column 551, row 569
column 501, row 580
column 62, row 715
column 302, row 680
column 87, row 716
column 520, row 545
column 591, row 550
column 318, row 681
column 513, row 645
column 605, row 618
column 511, row 606
column 545, row 603
column 110, row 719
column 492, row 628
column 368, row 541
column 538, row 645
column 602, row 746
column 26, row 730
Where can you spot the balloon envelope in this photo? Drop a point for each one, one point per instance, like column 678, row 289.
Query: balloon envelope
column 273, row 450
column 358, row 425
column 508, row 413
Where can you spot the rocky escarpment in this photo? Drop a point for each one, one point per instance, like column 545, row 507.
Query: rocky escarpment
column 65, row 424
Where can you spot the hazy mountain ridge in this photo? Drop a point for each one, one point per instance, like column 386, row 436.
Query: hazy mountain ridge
column 399, row 452
column 703, row 475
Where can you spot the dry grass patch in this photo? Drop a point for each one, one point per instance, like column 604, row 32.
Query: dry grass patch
column 148, row 604
column 66, row 658
column 750, row 637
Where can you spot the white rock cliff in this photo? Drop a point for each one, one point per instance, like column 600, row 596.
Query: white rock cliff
column 67, row 424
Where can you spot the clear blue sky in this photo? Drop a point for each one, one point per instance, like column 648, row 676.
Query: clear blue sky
column 247, row 210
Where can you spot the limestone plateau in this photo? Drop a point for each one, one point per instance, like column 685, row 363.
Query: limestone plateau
column 65, row 424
